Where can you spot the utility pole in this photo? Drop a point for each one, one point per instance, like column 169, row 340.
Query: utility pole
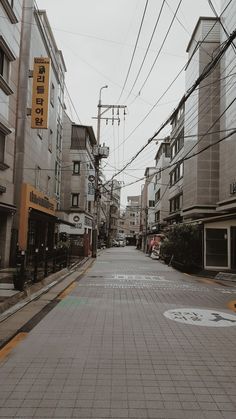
column 110, row 212
column 100, row 153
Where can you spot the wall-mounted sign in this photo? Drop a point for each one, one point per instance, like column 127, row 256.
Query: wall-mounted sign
column 40, row 92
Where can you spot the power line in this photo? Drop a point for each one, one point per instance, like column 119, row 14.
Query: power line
column 148, row 47
column 173, row 81
column 135, row 47
column 206, row 71
column 162, row 45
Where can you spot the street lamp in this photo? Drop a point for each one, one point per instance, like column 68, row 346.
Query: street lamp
column 97, row 160
column 99, row 113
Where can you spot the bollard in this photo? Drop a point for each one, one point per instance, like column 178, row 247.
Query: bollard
column 19, row 277
column 36, row 265
column 46, row 262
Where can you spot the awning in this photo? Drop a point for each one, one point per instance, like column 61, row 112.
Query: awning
column 7, row 208
column 61, row 221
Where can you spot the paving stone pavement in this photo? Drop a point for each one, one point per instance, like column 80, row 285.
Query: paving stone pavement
column 108, row 351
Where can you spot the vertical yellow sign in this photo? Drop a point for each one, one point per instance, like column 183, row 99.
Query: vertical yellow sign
column 40, row 94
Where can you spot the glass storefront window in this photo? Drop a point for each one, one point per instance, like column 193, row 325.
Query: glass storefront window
column 216, row 247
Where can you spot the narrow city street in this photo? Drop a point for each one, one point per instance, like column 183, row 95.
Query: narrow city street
column 132, row 339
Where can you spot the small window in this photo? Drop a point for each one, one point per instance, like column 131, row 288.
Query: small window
column 40, row 133
column 157, row 216
column 50, row 135
column 76, row 167
column 4, row 65
column 48, row 184
column 151, row 204
column 75, row 199
column 2, row 147
column 37, row 177
column 89, row 206
column 52, row 94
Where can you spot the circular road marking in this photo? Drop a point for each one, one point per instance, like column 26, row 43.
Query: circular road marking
column 199, row 317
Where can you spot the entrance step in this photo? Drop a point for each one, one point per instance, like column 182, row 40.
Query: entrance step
column 226, row 276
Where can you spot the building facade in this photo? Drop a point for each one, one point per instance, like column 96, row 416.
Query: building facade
column 77, row 181
column 220, row 230
column 10, row 34
column 202, row 124
column 38, row 152
column 129, row 221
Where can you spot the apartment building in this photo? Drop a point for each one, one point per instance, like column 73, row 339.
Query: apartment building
column 129, row 221
column 161, row 185
column 10, row 33
column 147, row 215
column 202, row 124
column 220, row 230
column 38, row 151
column 77, row 181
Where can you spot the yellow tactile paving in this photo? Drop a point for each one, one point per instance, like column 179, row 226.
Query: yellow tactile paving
column 12, row 344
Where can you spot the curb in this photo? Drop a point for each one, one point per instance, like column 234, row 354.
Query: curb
column 51, row 281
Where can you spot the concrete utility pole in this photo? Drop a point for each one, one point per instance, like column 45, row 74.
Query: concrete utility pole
column 98, row 157
column 110, row 217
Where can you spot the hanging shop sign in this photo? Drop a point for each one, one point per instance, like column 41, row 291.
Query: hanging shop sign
column 40, row 93
column 91, row 185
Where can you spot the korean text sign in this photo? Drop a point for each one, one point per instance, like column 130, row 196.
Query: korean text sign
column 40, row 99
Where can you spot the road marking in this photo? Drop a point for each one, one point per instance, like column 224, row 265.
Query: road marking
column 12, row 344
column 232, row 305
column 66, row 291
column 199, row 317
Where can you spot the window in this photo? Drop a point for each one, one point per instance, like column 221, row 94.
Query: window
column 177, row 144
column 216, row 247
column 75, row 199
column 157, row 195
column 157, row 216
column 2, row 147
column 158, row 176
column 37, row 177
column 176, row 203
column 176, row 174
column 151, row 204
column 40, row 133
column 52, row 94
column 132, row 223
column 4, row 65
column 48, row 184
column 76, row 167
column 89, row 206
column 50, row 135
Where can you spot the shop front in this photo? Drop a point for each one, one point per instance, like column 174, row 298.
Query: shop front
column 37, row 226
column 220, row 243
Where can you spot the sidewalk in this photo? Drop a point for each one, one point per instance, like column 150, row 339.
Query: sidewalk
column 133, row 338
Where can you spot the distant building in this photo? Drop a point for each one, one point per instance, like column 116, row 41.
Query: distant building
column 147, row 215
column 77, row 181
column 129, row 221
column 161, row 186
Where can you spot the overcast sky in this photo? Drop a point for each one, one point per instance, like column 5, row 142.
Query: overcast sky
column 97, row 38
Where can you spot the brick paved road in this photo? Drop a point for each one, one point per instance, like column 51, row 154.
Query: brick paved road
column 108, row 351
